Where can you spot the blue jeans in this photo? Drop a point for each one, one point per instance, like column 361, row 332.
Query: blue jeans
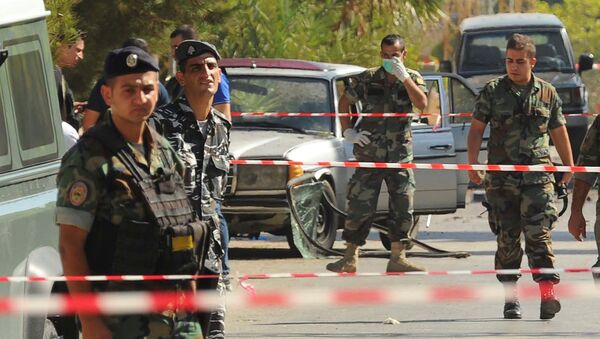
column 224, row 239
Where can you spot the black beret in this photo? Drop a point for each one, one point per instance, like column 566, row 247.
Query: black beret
column 191, row 48
column 128, row 60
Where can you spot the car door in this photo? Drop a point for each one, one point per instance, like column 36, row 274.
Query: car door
column 461, row 99
column 432, row 143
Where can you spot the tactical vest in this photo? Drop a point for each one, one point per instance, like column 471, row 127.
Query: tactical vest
column 519, row 130
column 171, row 241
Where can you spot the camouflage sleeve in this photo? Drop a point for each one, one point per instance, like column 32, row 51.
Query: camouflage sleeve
column 355, row 88
column 79, row 190
column 418, row 79
column 557, row 119
column 483, row 105
column 589, row 154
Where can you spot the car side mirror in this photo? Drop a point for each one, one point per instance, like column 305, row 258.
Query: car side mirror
column 586, row 62
column 446, row 66
column 3, row 56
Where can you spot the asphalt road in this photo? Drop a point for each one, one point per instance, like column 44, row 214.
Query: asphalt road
column 465, row 230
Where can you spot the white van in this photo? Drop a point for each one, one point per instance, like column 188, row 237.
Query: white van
column 31, row 146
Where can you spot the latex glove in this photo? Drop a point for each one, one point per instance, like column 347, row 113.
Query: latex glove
column 355, row 137
column 399, row 70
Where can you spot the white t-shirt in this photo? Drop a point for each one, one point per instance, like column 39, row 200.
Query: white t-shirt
column 70, row 135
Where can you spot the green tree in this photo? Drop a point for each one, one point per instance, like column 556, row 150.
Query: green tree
column 582, row 20
column 342, row 31
column 62, row 23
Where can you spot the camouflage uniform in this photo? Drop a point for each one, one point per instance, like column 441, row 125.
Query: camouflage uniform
column 93, row 185
column 521, row 201
column 206, row 162
column 391, row 141
column 589, row 155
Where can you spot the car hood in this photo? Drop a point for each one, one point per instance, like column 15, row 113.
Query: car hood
column 265, row 144
column 557, row 79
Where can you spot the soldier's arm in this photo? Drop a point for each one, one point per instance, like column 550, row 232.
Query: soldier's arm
column 577, row 224
column 344, row 107
column 474, row 139
column 74, row 262
column 415, row 93
column 560, row 137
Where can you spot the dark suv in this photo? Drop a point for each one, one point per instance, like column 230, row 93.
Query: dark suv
column 479, row 57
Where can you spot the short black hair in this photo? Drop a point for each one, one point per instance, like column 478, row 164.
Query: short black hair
column 522, row 42
column 392, row 39
column 137, row 42
column 186, row 32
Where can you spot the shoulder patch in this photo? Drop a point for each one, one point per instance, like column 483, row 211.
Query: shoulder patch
column 78, row 193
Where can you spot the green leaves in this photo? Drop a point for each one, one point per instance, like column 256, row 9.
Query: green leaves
column 340, row 31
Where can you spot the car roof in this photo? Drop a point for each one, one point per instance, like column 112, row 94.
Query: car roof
column 287, row 67
column 509, row 20
column 16, row 11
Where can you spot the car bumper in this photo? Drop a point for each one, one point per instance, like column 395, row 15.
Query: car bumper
column 255, row 205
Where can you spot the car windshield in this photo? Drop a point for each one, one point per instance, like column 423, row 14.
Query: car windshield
column 484, row 53
column 281, row 94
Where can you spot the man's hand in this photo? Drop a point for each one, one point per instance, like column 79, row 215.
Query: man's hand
column 475, row 177
column 93, row 327
column 398, row 69
column 577, row 225
column 566, row 178
column 355, row 137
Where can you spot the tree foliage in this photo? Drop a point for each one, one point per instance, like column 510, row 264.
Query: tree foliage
column 582, row 20
column 62, row 23
column 341, row 31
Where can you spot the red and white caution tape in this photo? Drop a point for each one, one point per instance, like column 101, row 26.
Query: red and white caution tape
column 425, row 273
column 453, row 167
column 146, row 302
column 19, row 279
column 158, row 277
column 368, row 115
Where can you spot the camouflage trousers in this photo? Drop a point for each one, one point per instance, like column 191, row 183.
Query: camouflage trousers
column 154, row 326
column 363, row 193
column 529, row 210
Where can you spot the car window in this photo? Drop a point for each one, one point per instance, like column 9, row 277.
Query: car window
column 461, row 99
column 484, row 53
column 431, row 114
column 281, row 94
column 31, row 102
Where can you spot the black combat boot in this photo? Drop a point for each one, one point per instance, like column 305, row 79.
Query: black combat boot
column 512, row 307
column 512, row 310
column 550, row 304
column 596, row 272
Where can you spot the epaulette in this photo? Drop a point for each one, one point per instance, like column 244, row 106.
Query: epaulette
column 546, row 92
column 221, row 116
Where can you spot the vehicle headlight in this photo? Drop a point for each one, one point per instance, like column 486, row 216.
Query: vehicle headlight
column 257, row 177
column 572, row 96
column 295, row 171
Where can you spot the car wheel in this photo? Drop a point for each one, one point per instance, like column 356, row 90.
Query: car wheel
column 327, row 223
column 385, row 240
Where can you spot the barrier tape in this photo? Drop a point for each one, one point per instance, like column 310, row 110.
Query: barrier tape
column 454, row 167
column 153, row 302
column 121, row 278
column 371, row 115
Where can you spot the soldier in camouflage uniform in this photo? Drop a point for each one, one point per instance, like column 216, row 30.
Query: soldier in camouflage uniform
column 391, row 88
column 200, row 135
column 589, row 155
column 524, row 112
column 105, row 225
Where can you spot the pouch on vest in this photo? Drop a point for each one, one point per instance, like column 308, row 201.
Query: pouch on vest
column 183, row 248
column 161, row 244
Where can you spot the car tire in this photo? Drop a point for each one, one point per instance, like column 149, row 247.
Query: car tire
column 385, row 240
column 327, row 224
